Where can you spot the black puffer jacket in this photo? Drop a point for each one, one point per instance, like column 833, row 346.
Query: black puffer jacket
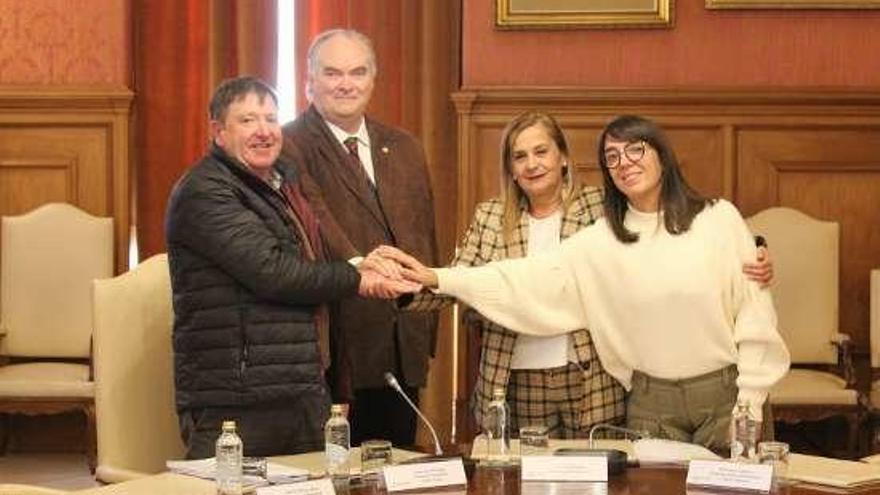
column 244, row 296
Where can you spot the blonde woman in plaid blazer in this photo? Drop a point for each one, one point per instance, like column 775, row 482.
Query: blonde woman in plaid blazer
column 590, row 395
column 568, row 399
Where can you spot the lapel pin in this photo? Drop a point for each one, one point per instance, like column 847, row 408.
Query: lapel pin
column 385, row 149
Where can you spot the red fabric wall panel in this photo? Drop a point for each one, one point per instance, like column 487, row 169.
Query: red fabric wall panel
column 172, row 77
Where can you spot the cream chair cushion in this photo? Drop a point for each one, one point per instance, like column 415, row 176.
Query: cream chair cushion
column 134, row 393
column 16, row 489
column 161, row 484
column 45, row 379
column 804, row 386
column 49, row 258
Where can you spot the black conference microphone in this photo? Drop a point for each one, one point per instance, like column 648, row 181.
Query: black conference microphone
column 617, row 459
column 392, row 382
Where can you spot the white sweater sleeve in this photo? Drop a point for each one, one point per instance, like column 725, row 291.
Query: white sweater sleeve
column 536, row 295
column 763, row 357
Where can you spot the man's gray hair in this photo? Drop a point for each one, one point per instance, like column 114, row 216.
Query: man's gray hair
column 324, row 37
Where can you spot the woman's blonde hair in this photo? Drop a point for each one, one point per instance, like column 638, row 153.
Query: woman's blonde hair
column 514, row 198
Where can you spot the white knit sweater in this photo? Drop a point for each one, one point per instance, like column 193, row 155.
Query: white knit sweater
column 671, row 306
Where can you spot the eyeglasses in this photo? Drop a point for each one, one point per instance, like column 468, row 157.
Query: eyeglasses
column 633, row 151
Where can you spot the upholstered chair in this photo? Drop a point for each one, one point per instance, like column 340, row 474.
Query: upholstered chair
column 49, row 258
column 134, row 389
column 821, row 382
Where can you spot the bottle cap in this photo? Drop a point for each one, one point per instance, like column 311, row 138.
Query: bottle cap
column 496, row 392
column 228, row 425
column 337, row 408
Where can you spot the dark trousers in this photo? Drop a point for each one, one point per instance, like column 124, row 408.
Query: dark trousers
column 264, row 430
column 381, row 413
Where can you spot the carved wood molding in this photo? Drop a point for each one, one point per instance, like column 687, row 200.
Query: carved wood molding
column 62, row 99
column 567, row 99
column 83, row 128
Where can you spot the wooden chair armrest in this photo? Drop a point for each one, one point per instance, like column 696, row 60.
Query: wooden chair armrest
column 847, row 370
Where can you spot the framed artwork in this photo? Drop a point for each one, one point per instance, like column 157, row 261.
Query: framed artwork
column 577, row 14
column 793, row 4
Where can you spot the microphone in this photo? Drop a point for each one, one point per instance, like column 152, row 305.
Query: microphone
column 626, row 431
column 392, row 382
column 617, row 459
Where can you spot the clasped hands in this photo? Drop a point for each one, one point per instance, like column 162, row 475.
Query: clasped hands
column 388, row 273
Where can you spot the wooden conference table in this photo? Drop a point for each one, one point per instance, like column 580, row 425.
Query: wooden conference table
column 490, row 481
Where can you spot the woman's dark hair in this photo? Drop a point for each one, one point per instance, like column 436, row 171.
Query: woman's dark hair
column 679, row 202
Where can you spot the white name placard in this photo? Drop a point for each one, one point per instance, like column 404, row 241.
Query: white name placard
column 564, row 468
column 722, row 474
column 424, row 475
column 321, row 486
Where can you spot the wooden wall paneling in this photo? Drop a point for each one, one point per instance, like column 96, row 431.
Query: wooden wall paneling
column 829, row 173
column 67, row 144
column 815, row 150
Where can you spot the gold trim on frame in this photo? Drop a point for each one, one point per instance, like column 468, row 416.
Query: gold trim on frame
column 575, row 14
column 793, row 4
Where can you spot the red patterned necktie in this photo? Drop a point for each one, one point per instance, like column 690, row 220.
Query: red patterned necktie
column 351, row 144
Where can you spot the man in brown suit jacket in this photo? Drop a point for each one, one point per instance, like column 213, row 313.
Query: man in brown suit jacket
column 371, row 181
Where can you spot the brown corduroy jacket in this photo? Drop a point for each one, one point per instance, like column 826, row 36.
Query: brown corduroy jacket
column 354, row 220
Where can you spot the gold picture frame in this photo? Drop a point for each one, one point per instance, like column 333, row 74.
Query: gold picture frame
column 793, row 4
column 576, row 14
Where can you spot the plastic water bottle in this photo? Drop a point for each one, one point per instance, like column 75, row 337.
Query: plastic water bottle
column 228, row 454
column 743, row 445
column 337, row 443
column 497, row 431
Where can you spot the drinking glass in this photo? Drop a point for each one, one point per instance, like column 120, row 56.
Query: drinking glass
column 254, row 466
column 775, row 454
column 375, row 454
column 533, row 440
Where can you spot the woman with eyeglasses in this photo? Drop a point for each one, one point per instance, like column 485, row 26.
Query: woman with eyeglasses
column 659, row 283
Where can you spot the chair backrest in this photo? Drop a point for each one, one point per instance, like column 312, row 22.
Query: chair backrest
column 875, row 318
column 805, row 289
column 49, row 258
column 134, row 389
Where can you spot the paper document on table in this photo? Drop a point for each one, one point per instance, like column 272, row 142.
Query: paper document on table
column 661, row 451
column 314, row 462
column 478, row 448
column 831, row 472
column 207, row 469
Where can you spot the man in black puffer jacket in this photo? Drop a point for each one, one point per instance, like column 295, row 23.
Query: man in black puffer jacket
column 251, row 283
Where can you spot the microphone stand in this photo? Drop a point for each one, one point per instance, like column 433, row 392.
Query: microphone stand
column 392, row 382
column 620, row 429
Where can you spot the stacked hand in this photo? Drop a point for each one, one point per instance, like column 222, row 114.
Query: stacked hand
column 383, row 278
column 388, row 272
column 762, row 270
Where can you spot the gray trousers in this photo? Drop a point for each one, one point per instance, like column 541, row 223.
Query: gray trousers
column 695, row 410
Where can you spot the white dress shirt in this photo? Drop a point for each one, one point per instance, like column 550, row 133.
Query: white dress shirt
column 364, row 153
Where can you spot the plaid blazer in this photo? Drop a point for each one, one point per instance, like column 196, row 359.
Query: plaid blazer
column 484, row 242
